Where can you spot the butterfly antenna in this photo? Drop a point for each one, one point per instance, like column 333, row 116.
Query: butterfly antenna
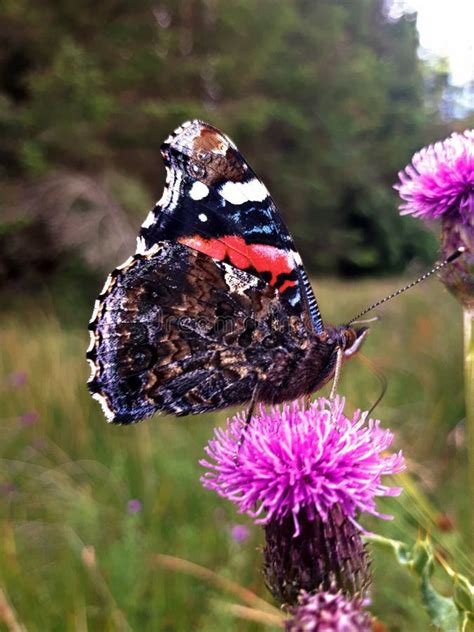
column 452, row 257
column 366, row 321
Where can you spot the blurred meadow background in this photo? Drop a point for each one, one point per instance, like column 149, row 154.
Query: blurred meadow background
column 327, row 100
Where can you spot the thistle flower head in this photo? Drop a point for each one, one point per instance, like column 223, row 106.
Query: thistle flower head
column 295, row 458
column 440, row 180
column 328, row 612
column 439, row 183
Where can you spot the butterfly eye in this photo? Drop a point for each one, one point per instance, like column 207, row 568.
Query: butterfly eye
column 204, row 156
column 196, row 170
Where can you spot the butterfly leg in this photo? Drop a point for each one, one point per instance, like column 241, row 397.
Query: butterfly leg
column 337, row 373
column 248, row 418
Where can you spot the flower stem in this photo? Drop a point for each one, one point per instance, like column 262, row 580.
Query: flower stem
column 469, row 394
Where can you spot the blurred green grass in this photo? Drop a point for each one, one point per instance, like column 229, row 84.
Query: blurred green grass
column 73, row 558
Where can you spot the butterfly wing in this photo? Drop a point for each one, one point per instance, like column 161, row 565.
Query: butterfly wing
column 213, row 202
column 176, row 331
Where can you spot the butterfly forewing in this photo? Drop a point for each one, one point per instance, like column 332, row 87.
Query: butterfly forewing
column 213, row 202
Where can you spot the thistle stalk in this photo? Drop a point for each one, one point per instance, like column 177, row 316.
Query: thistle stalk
column 469, row 395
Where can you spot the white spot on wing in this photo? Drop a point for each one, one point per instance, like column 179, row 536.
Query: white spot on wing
column 109, row 414
column 202, row 217
column 107, row 284
column 147, row 252
column 153, row 250
column 178, row 131
column 241, row 192
column 125, row 264
column 93, row 369
column 91, row 341
column 238, row 280
column 198, row 191
column 95, row 313
column 149, row 220
column 141, row 245
column 168, row 201
column 174, row 190
column 296, row 257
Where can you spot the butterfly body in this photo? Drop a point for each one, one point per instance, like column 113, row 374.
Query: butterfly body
column 215, row 308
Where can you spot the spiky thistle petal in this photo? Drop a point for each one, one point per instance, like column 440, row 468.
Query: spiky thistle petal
column 440, row 179
column 296, row 458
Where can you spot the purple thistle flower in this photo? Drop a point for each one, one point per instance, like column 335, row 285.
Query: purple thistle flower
column 440, row 180
column 328, row 612
column 439, row 183
column 296, row 458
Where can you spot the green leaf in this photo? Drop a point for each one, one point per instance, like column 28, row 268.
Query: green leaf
column 422, row 558
column 467, row 623
column 442, row 610
column 446, row 613
column 464, row 594
column 402, row 552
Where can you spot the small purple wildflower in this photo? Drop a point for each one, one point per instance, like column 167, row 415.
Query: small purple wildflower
column 8, row 488
column 29, row 419
column 329, row 611
column 296, row 458
column 18, row 379
column 240, row 533
column 134, row 506
column 440, row 180
column 40, row 443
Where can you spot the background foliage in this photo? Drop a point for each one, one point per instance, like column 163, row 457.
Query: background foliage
column 328, row 100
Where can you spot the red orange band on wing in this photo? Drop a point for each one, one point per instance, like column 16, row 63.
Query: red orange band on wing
column 261, row 257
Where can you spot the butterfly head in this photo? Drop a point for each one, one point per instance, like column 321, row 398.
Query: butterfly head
column 203, row 153
column 347, row 339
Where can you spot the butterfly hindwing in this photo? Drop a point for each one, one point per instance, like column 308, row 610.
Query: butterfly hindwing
column 177, row 331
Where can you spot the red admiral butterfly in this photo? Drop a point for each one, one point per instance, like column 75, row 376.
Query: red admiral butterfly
column 215, row 309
